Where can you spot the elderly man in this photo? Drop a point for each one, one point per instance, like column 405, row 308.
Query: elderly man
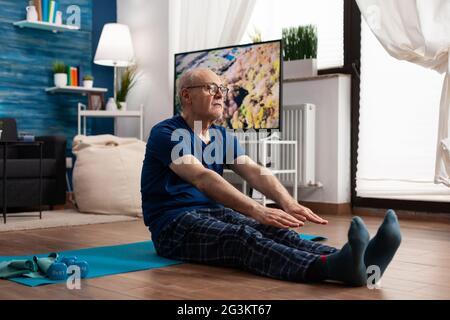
column 195, row 215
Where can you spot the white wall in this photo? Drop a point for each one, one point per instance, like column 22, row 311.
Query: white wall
column 149, row 25
column 332, row 97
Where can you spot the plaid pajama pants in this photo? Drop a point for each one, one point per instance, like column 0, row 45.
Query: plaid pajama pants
column 223, row 237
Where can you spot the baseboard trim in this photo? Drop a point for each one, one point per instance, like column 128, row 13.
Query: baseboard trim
column 320, row 208
column 404, row 214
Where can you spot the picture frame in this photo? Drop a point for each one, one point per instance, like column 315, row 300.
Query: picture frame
column 96, row 101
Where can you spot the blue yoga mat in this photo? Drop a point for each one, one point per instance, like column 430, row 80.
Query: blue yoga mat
column 311, row 237
column 104, row 261
column 110, row 260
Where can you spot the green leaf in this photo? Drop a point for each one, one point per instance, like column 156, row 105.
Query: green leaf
column 127, row 81
column 58, row 67
column 299, row 42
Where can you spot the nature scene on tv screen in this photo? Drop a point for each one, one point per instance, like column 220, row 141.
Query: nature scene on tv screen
column 251, row 72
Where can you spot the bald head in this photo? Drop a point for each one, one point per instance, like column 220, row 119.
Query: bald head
column 194, row 77
column 195, row 95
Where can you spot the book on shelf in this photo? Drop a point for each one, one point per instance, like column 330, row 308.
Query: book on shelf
column 69, row 78
column 45, row 10
column 51, row 11
column 38, row 5
column 79, row 78
column 74, row 77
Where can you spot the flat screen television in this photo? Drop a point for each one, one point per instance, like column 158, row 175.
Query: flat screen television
column 252, row 72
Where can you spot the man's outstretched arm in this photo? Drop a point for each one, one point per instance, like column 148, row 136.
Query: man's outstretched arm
column 217, row 188
column 263, row 180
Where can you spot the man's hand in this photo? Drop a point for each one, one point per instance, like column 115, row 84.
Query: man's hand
column 275, row 217
column 303, row 213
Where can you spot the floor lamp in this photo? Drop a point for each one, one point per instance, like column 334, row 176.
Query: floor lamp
column 115, row 49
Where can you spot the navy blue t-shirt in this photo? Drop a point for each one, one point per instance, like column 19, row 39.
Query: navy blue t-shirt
column 165, row 195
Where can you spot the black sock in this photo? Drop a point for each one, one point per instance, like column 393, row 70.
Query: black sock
column 346, row 265
column 382, row 247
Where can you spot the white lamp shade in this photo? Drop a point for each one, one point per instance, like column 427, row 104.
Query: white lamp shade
column 115, row 47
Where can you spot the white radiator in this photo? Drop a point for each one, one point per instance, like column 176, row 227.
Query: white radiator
column 297, row 123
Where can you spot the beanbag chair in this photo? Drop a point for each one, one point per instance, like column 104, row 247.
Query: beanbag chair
column 107, row 174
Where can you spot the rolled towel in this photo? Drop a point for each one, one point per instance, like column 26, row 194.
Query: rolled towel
column 17, row 268
column 45, row 263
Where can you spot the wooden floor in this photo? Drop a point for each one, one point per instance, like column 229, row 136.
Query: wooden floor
column 420, row 270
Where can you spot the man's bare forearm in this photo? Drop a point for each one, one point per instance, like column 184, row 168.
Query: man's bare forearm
column 265, row 182
column 221, row 191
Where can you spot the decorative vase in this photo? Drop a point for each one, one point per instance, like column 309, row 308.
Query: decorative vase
column 111, row 105
column 32, row 15
column 88, row 83
column 58, row 19
column 60, row 79
column 295, row 69
column 123, row 106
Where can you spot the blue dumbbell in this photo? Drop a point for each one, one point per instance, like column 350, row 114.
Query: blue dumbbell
column 84, row 268
column 57, row 271
column 72, row 261
column 51, row 267
column 68, row 261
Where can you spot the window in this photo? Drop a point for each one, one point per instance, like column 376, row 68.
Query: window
column 399, row 111
column 271, row 16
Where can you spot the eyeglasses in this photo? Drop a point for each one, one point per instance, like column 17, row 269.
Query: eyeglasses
column 212, row 88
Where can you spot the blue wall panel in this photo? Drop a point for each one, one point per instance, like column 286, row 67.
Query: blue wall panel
column 26, row 56
column 103, row 11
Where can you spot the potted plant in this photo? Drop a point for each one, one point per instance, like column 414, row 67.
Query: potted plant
column 88, row 81
column 300, row 51
column 128, row 80
column 255, row 36
column 59, row 74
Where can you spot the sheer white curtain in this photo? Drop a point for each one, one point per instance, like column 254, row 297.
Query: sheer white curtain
column 418, row 31
column 398, row 125
column 204, row 24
